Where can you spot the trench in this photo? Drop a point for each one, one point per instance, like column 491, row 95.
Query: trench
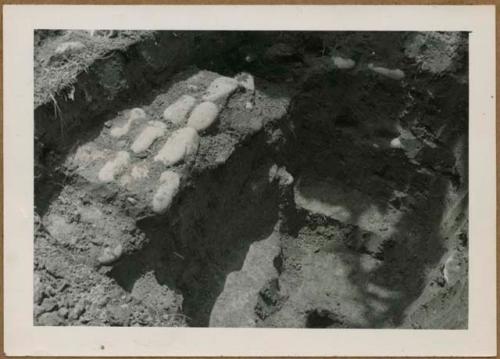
column 226, row 216
column 334, row 142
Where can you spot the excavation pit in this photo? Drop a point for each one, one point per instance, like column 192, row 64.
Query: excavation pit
column 300, row 210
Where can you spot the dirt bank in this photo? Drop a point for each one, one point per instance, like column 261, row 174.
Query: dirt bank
column 327, row 187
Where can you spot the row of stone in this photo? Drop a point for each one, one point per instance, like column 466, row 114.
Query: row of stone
column 183, row 143
column 347, row 64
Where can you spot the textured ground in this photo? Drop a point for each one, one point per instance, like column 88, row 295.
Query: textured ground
column 303, row 180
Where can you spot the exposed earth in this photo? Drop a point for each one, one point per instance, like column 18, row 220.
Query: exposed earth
column 251, row 179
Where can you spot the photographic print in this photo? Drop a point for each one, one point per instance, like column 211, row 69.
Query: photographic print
column 251, row 179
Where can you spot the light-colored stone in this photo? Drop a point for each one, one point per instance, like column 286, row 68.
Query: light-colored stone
column 281, row 175
column 378, row 291
column 179, row 110
column 114, row 167
column 395, row 74
column 168, row 188
column 154, row 130
column 196, row 79
column 314, row 197
column 396, row 143
column 453, row 270
column 220, row 88
column 59, row 228
column 86, row 155
column 247, row 81
column 284, row 177
column 135, row 114
column 273, row 171
column 342, row 63
column 203, row 116
column 180, row 145
column 121, row 130
column 110, row 255
column 315, row 205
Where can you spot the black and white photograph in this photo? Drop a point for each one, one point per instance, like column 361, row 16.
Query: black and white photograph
column 251, row 179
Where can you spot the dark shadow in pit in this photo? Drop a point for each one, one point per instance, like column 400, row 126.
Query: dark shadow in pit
column 343, row 125
column 208, row 232
column 415, row 245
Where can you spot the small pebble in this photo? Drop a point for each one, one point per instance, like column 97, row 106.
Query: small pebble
column 110, row 255
column 395, row 74
column 396, row 143
column 246, row 81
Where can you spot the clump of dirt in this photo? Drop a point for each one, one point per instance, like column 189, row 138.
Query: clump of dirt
column 328, row 190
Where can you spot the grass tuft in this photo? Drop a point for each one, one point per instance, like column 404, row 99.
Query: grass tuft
column 52, row 74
